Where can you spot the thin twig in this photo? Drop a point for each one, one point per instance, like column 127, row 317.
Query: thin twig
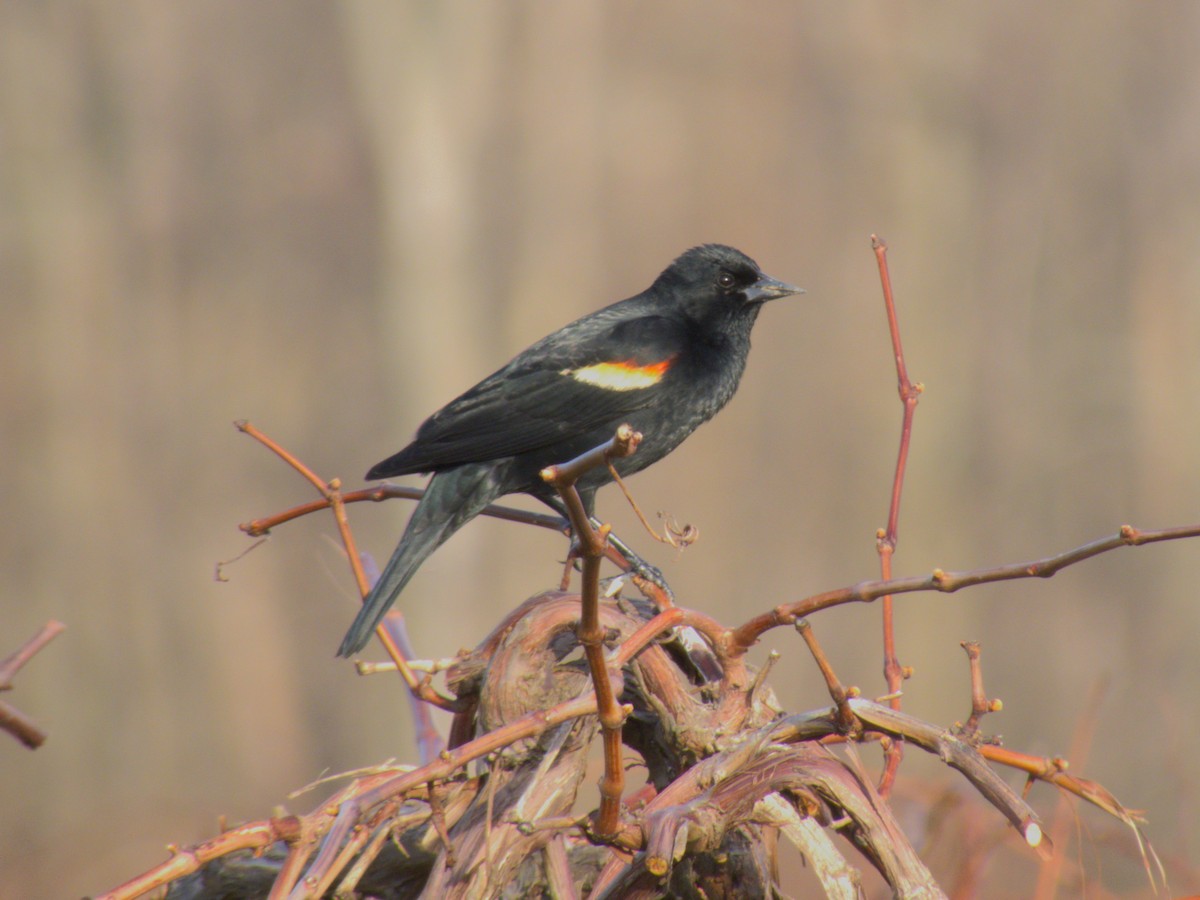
column 837, row 691
column 679, row 538
column 255, row 836
column 747, row 634
column 12, row 720
column 222, row 564
column 885, row 544
column 590, row 633
column 20, row 726
column 354, row 873
column 14, row 661
column 331, row 491
column 387, row 491
column 429, row 740
column 980, row 704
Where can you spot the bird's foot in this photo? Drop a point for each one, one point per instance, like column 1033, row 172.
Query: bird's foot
column 639, row 567
column 632, row 563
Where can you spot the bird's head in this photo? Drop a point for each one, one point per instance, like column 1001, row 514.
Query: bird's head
column 716, row 282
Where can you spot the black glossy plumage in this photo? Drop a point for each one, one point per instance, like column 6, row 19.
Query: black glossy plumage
column 664, row 361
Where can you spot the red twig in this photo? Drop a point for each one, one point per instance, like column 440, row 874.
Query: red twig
column 256, row 836
column 885, row 543
column 20, row 726
column 12, row 720
column 837, row 691
column 980, row 704
column 908, row 391
column 1053, row 770
column 747, row 634
column 13, row 663
column 429, row 740
column 331, row 491
column 590, row 633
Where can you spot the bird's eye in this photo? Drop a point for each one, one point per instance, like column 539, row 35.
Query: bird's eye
column 725, row 281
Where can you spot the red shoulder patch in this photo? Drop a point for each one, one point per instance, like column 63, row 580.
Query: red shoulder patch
column 626, row 375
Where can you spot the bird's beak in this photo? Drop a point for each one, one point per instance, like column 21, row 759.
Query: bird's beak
column 768, row 288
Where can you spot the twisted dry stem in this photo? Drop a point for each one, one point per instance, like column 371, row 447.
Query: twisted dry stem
column 720, row 763
column 705, row 804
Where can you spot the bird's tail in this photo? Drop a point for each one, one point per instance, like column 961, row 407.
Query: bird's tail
column 451, row 500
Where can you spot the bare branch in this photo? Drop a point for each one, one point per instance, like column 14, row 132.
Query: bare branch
column 387, row 491
column 12, row 720
column 980, row 704
column 591, row 636
column 885, row 544
column 14, row 662
column 745, row 636
column 331, row 491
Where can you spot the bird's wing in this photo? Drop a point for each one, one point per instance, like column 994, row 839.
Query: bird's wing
column 583, row 377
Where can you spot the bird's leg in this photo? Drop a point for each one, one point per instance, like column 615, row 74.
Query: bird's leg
column 627, row 560
column 636, row 564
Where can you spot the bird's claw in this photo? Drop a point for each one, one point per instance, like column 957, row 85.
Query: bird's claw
column 640, row 568
column 654, row 575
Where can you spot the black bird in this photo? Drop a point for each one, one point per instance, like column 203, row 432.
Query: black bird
column 664, row 361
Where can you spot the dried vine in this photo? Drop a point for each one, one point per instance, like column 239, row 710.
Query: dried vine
column 727, row 772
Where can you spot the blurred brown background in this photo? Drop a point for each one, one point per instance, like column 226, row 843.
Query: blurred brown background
column 331, row 218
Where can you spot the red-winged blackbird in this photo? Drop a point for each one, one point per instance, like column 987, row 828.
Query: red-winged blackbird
column 664, row 361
